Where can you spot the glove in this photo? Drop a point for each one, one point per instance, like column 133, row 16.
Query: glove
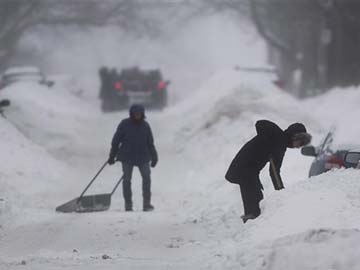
column 153, row 163
column 111, row 160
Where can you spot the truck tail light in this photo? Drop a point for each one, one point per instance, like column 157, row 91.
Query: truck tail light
column 118, row 86
column 161, row 85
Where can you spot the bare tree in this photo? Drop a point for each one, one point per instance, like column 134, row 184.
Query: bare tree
column 16, row 17
column 315, row 38
column 19, row 16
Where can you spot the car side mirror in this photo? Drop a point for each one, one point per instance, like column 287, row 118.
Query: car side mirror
column 309, row 151
column 352, row 159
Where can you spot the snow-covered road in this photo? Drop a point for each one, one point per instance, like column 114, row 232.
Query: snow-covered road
column 53, row 143
column 164, row 239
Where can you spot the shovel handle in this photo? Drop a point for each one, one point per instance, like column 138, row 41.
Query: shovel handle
column 92, row 180
column 117, row 184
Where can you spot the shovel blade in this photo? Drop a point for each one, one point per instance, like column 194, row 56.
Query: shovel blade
column 89, row 203
column 70, row 206
column 92, row 203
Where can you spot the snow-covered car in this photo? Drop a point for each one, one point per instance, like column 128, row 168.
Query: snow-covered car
column 134, row 85
column 328, row 157
column 3, row 103
column 20, row 74
column 352, row 159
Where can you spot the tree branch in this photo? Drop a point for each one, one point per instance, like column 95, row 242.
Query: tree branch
column 269, row 37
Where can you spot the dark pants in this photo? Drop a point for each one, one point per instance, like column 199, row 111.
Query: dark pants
column 251, row 195
column 146, row 182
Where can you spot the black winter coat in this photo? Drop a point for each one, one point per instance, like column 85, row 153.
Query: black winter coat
column 133, row 143
column 269, row 144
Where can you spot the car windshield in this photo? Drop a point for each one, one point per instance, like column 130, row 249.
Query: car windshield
column 23, row 75
column 14, row 75
column 333, row 142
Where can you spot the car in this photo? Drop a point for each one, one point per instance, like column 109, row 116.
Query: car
column 326, row 157
column 352, row 159
column 4, row 103
column 24, row 73
column 133, row 85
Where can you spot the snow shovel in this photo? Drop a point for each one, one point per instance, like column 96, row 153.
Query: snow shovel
column 89, row 203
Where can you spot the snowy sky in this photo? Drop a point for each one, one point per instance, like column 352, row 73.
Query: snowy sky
column 187, row 52
column 54, row 141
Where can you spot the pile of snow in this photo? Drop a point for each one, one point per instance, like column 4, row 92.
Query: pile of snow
column 301, row 227
column 25, row 185
column 311, row 224
column 44, row 132
column 51, row 117
column 221, row 117
column 212, row 127
column 43, row 127
column 338, row 108
column 315, row 249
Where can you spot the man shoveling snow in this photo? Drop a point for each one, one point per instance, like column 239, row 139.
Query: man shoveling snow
column 269, row 145
column 133, row 145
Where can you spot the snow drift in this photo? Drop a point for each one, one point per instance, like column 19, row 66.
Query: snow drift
column 198, row 212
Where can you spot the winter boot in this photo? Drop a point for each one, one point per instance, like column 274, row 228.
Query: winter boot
column 147, row 206
column 248, row 216
column 128, row 206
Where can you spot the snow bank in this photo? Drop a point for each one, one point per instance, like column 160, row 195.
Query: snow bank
column 42, row 129
column 313, row 224
column 25, row 184
column 328, row 200
column 339, row 108
column 51, row 117
column 221, row 117
column 215, row 123
column 315, row 249
column 301, row 227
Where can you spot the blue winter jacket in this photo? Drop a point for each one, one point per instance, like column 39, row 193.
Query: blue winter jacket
column 133, row 143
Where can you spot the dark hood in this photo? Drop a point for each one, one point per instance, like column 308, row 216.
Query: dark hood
column 137, row 108
column 295, row 129
column 268, row 129
column 292, row 130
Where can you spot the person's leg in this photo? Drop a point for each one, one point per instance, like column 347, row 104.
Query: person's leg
column 252, row 195
column 255, row 203
column 146, row 186
column 126, row 184
column 255, row 196
column 245, row 198
column 259, row 188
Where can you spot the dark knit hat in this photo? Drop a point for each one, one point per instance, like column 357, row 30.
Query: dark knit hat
column 295, row 129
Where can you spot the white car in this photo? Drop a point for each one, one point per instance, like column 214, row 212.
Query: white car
column 19, row 74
